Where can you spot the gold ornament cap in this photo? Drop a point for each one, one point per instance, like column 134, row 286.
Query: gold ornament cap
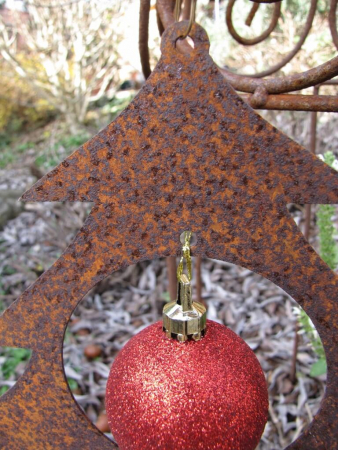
column 184, row 319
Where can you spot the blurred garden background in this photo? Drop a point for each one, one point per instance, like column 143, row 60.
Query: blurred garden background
column 68, row 68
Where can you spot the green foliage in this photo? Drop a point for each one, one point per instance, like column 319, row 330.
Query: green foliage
column 72, row 384
column 166, row 296
column 311, row 332
column 5, row 140
column 319, row 368
column 322, row 7
column 8, row 153
column 46, row 160
column 3, row 389
column 2, row 292
column 14, row 356
column 118, row 104
column 60, row 150
column 8, row 270
column 69, row 142
column 21, row 148
column 6, row 157
column 328, row 246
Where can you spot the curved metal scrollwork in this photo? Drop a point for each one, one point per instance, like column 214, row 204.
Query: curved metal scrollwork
column 333, row 21
column 251, row 41
column 256, row 83
column 266, row 34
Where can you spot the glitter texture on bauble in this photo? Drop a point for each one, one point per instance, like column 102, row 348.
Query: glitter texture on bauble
column 165, row 394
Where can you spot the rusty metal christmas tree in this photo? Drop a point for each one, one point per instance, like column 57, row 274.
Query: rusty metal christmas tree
column 187, row 153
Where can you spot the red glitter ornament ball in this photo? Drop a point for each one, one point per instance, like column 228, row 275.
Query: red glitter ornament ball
column 210, row 394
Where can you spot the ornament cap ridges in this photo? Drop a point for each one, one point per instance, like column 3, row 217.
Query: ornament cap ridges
column 184, row 319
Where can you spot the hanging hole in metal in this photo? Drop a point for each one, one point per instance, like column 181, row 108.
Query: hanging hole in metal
column 193, row 238
column 189, row 40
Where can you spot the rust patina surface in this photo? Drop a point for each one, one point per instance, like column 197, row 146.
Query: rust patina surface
column 187, row 153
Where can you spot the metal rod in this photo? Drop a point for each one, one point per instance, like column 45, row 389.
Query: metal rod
column 172, row 279
column 198, row 279
column 293, row 370
column 296, row 102
column 186, row 10
column 251, row 14
column 143, row 37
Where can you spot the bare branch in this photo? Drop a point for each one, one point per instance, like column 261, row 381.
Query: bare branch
column 66, row 52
